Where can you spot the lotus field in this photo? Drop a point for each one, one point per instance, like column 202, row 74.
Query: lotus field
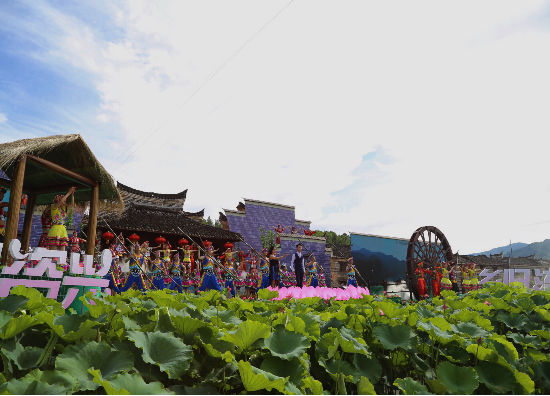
column 491, row 341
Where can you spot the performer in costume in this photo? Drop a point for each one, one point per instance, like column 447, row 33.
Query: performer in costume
column 279, row 229
column 286, row 280
column 465, row 278
column 175, row 271
column 113, row 281
column 351, row 273
column 274, row 273
column 298, row 261
column 251, row 277
column 474, row 281
column 46, row 220
column 446, row 283
column 208, row 280
column 420, row 271
column 263, row 276
column 312, row 272
column 57, row 236
column 452, row 276
column 76, row 241
column 135, row 276
column 436, row 280
column 157, row 271
column 322, row 282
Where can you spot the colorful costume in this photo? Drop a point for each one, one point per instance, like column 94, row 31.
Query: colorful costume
column 135, row 276
column 436, row 281
column 446, row 283
column 312, row 274
column 111, row 277
column 157, row 274
column 421, row 281
column 351, row 276
column 208, row 280
column 75, row 244
column 474, row 281
column 263, row 281
column 175, row 271
column 465, row 279
column 46, row 219
column 57, row 236
column 322, row 282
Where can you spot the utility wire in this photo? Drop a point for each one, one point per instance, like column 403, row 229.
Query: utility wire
column 212, row 75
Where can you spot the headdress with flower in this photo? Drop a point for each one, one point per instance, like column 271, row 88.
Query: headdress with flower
column 57, row 198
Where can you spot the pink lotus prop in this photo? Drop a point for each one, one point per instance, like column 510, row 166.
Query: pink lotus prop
column 323, row 292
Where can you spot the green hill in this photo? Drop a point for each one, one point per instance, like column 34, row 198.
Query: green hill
column 539, row 249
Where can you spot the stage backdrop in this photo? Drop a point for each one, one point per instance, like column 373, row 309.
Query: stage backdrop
column 379, row 258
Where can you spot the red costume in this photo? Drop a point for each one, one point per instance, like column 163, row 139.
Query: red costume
column 422, row 290
column 278, row 230
column 46, row 219
column 436, row 281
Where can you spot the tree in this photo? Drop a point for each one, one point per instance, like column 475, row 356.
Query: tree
column 333, row 238
column 209, row 222
column 267, row 237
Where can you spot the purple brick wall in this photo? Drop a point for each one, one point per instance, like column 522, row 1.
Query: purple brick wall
column 257, row 216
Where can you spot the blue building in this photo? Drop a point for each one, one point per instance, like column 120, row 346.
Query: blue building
column 253, row 215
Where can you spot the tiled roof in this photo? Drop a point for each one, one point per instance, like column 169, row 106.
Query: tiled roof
column 343, row 251
column 484, row 261
column 302, row 236
column 130, row 194
column 163, row 220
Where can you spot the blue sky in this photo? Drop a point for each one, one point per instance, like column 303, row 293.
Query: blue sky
column 366, row 116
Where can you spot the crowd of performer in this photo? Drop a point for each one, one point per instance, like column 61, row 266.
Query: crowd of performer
column 196, row 269
column 444, row 277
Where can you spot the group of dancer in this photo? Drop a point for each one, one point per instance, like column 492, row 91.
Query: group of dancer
column 163, row 268
column 444, row 276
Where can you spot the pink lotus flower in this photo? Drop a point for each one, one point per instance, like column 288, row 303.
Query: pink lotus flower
column 487, row 302
column 479, row 341
column 444, row 307
column 381, row 313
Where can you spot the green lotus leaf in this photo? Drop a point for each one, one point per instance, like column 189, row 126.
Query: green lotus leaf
column 198, row 390
column 164, row 300
column 461, row 380
column 188, row 325
column 165, row 350
column 541, row 333
column 481, row 352
column 351, row 342
column 99, row 308
column 12, row 303
column 238, row 304
column 78, row 358
column 470, row 329
column 436, row 386
column 328, row 344
column 25, row 386
column 393, row 337
column 456, row 304
column 455, row 354
column 292, row 369
column 264, row 294
column 525, row 304
column 522, row 339
column 315, row 387
column 247, row 333
column 368, row 367
column 447, row 293
column 511, row 350
column 291, row 323
column 365, row 387
column 68, row 327
column 286, row 344
column 514, row 320
column 23, row 357
column 36, row 301
column 226, row 316
column 130, row 324
column 336, row 366
column 495, row 378
column 411, row 387
column 443, row 337
column 422, row 366
column 525, row 381
column 331, row 324
column 483, row 323
column 149, row 305
column 128, row 384
column 55, row 377
column 425, row 312
column 255, row 379
column 312, row 326
column 391, row 310
column 542, row 373
column 164, row 321
column 15, row 326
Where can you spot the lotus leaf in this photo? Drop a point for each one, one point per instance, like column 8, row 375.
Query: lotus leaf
column 511, row 350
column 514, row 320
column 455, row 354
column 470, row 329
column 164, row 321
column 436, row 386
column 332, row 323
column 70, row 328
column 525, row 339
column 25, row 386
column 292, row 369
column 541, row 333
column 197, row 390
column 12, row 303
column 337, row 366
column 350, row 341
column 312, row 326
column 368, row 367
column 36, row 302
column 393, row 337
column 247, row 333
column 78, row 358
column 15, row 326
column 525, row 381
column 456, row 379
column 187, row 325
column 23, row 357
column 128, row 384
column 54, row 377
column 226, row 316
column 291, row 323
column 255, row 379
column 411, row 387
column 313, row 385
column 542, row 373
column 365, row 387
column 422, row 366
column 165, row 350
column 286, row 344
column 391, row 309
column 425, row 312
column 265, row 294
column 495, row 378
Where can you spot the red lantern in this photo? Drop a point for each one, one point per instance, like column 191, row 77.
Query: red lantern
column 228, row 245
column 134, row 238
column 183, row 242
column 108, row 235
column 160, row 240
column 207, row 244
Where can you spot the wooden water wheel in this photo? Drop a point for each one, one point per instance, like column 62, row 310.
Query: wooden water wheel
column 430, row 246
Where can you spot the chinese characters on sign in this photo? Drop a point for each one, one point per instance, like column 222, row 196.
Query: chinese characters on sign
column 541, row 278
column 46, row 267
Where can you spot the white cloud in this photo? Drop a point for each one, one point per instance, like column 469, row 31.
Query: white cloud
column 454, row 94
column 3, row 118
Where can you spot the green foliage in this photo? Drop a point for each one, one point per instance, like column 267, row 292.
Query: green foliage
column 164, row 343
column 333, row 238
column 267, row 237
column 216, row 223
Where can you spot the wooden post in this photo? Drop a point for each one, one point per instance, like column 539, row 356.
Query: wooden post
column 92, row 220
column 27, row 224
column 14, row 206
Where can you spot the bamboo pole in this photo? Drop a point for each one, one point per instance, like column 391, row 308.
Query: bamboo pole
column 27, row 224
column 15, row 205
column 92, row 220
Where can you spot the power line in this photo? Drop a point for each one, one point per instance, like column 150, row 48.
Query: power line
column 212, row 75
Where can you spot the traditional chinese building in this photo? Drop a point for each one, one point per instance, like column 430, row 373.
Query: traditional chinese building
column 253, row 214
column 339, row 255
column 151, row 215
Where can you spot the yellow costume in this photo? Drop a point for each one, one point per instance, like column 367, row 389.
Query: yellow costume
column 57, row 236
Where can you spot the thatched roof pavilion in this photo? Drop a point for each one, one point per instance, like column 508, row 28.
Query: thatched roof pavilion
column 45, row 167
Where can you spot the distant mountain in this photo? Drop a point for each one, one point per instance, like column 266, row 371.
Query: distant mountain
column 505, row 249
column 377, row 267
column 539, row 249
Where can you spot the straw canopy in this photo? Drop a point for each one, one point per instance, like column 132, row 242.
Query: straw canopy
column 67, row 151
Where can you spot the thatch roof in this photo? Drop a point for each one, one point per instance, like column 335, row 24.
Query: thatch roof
column 68, row 151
